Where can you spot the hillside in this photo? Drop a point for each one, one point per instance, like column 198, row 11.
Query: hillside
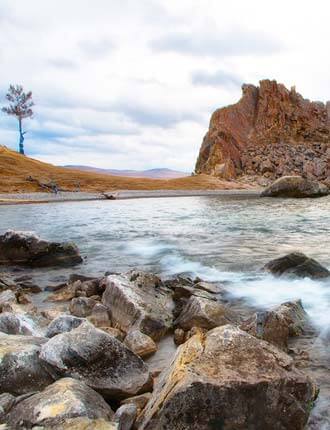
column 15, row 169
column 160, row 173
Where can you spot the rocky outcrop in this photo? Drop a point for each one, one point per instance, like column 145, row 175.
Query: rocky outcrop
column 98, row 359
column 59, row 402
column 229, row 379
column 25, row 248
column 137, row 300
column 272, row 132
column 295, row 186
column 297, row 265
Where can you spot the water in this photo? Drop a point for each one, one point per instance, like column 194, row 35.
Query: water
column 223, row 238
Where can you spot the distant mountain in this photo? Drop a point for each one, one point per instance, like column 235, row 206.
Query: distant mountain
column 151, row 173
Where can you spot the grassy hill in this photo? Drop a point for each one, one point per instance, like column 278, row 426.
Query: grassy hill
column 15, row 169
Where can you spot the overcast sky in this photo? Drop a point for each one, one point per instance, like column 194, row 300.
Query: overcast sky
column 132, row 83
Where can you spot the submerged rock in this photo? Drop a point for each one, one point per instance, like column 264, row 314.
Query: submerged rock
column 26, row 248
column 298, row 265
column 62, row 324
column 204, row 313
column 140, row 343
column 138, row 301
column 60, row 401
column 295, row 186
column 21, row 370
column 228, row 379
column 99, row 359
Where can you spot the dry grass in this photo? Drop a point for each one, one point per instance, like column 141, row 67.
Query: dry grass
column 15, row 168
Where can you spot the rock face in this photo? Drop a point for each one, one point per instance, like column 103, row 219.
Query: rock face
column 138, row 301
column 26, row 248
column 59, row 402
column 99, row 359
column 297, row 265
column 295, row 186
column 229, row 379
column 271, row 131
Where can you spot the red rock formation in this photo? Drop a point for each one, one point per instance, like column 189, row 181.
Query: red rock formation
column 270, row 132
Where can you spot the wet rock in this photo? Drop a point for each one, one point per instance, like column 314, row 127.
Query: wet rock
column 82, row 306
column 88, row 288
column 64, row 294
column 26, row 248
column 295, row 316
column 297, row 265
column 295, row 186
column 15, row 324
column 7, row 296
column 179, row 336
column 60, row 401
column 62, row 324
column 139, row 401
column 134, row 304
column 100, row 360
column 204, row 313
column 21, row 370
column 140, row 343
column 229, row 379
column 6, row 403
column 100, row 316
column 125, row 416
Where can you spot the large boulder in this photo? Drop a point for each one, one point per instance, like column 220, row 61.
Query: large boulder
column 203, row 313
column 63, row 400
column 21, row 370
column 228, row 379
column 26, row 248
column 295, row 186
column 138, row 301
column 99, row 359
column 297, row 265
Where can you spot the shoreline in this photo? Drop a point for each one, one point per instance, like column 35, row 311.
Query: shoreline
column 39, row 197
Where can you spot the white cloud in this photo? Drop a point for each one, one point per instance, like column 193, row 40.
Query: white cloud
column 132, row 84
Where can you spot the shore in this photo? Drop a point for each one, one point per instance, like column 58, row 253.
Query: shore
column 28, row 198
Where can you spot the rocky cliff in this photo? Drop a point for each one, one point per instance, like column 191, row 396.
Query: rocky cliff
column 270, row 132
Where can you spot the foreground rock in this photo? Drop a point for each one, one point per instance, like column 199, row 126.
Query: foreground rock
column 25, row 248
column 298, row 265
column 229, row 379
column 99, row 359
column 21, row 370
column 295, row 186
column 64, row 399
column 137, row 300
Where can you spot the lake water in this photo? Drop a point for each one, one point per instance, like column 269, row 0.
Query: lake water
column 227, row 239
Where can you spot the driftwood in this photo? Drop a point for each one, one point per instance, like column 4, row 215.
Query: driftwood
column 109, row 196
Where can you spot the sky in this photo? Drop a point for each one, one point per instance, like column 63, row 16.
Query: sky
column 131, row 84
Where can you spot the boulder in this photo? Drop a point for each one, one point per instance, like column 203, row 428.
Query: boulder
column 139, row 401
column 125, row 416
column 295, row 186
column 21, row 370
column 228, row 379
column 7, row 401
column 16, row 324
column 100, row 316
column 138, row 301
column 60, row 401
column 82, row 306
column 204, row 313
column 62, row 324
column 99, row 359
column 26, row 248
column 7, row 296
column 297, row 265
column 294, row 315
column 140, row 343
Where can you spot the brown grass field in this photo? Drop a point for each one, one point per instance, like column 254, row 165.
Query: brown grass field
column 16, row 168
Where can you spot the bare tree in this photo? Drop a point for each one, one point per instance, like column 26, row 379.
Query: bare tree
column 20, row 104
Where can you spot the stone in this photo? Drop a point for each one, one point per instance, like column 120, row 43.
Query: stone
column 63, row 400
column 295, row 186
column 115, row 332
column 179, row 336
column 16, row 324
column 139, row 401
column 297, row 265
column 100, row 316
column 98, row 359
column 125, row 416
column 82, row 306
column 295, row 316
column 26, row 248
column 140, row 343
column 88, row 288
column 62, row 324
column 7, row 401
column 204, row 313
column 134, row 304
column 270, row 132
column 7, row 296
column 64, row 294
column 83, row 423
column 228, row 379
column 21, row 370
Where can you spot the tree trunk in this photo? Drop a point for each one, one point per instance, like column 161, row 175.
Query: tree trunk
column 21, row 137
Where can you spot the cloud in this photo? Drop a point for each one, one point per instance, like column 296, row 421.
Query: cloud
column 215, row 79
column 62, row 63
column 227, row 44
column 96, row 48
